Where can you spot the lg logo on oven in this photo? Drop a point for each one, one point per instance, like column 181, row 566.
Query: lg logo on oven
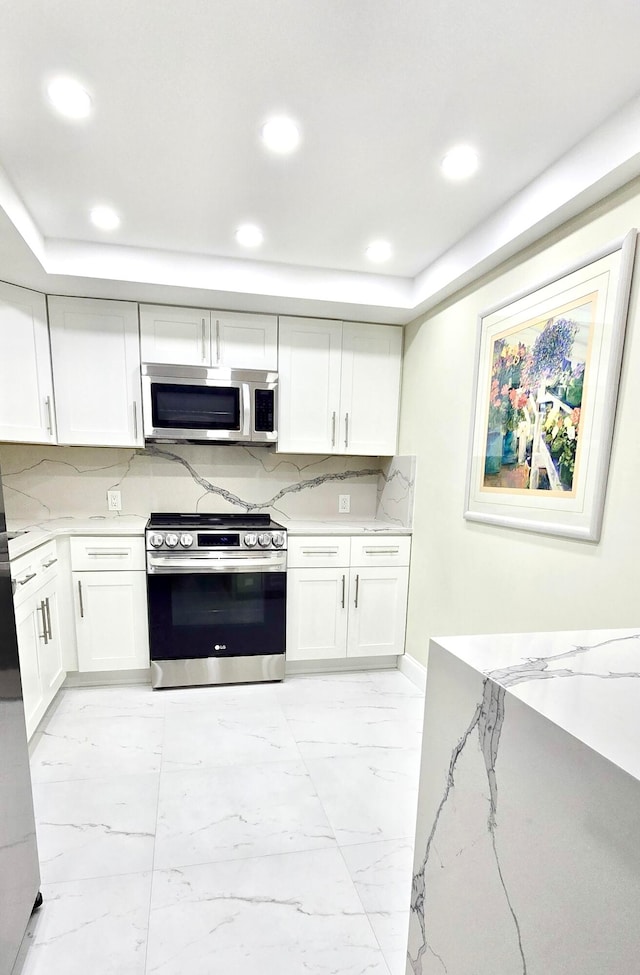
column 220, row 646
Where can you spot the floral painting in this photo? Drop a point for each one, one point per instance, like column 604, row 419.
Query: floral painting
column 538, row 379
column 547, row 371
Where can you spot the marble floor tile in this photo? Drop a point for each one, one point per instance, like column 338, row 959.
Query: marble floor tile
column 73, row 746
column 219, row 700
column 371, row 796
column 277, row 915
column 340, row 690
column 325, row 731
column 137, row 700
column 96, row 827
column 237, row 812
column 89, row 926
column 206, row 738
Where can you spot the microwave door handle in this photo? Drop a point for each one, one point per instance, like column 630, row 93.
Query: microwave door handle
column 247, row 411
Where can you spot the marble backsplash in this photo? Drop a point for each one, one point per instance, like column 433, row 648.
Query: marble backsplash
column 42, row 483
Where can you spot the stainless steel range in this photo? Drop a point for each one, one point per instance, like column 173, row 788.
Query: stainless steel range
column 217, row 590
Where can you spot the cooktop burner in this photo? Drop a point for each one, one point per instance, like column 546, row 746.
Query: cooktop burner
column 227, row 520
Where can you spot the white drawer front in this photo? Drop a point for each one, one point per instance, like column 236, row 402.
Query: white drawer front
column 33, row 569
column 318, row 551
column 97, row 554
column 380, row 550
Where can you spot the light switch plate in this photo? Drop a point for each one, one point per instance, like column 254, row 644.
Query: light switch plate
column 344, row 504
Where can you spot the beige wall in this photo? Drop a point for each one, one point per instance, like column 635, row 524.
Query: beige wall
column 473, row 578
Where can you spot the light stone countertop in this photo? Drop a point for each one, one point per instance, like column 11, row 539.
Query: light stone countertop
column 135, row 525
column 586, row 682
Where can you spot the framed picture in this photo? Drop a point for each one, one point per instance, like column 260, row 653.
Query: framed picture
column 546, row 382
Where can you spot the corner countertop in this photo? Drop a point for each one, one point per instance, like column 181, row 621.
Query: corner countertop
column 587, row 682
column 38, row 534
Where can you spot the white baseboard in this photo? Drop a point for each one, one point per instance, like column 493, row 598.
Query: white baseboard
column 341, row 665
column 415, row 671
column 107, row 678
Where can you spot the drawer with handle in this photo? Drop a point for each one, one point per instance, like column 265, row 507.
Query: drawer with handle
column 33, row 569
column 100, row 554
column 318, row 551
column 380, row 550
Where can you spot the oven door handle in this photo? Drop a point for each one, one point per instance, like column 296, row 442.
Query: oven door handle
column 168, row 566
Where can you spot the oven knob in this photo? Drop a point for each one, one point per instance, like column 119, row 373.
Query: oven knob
column 264, row 539
column 171, row 540
column 155, row 540
column 278, row 540
column 250, row 539
column 186, row 540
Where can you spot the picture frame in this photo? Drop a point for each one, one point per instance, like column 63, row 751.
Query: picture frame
column 547, row 369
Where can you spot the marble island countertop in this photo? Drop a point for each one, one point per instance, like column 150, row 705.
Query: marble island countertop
column 27, row 539
column 587, row 682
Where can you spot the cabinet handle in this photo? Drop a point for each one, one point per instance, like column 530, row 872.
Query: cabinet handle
column 204, row 350
column 27, row 578
column 344, row 580
column 357, row 587
column 346, row 430
column 43, row 635
column 319, row 551
column 47, row 565
column 49, row 415
column 333, row 429
column 218, row 342
column 81, row 602
column 381, row 551
column 48, row 609
column 135, row 420
column 97, row 553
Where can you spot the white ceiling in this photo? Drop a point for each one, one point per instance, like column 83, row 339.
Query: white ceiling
column 547, row 91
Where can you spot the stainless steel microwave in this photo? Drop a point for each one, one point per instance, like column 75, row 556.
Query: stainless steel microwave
column 201, row 404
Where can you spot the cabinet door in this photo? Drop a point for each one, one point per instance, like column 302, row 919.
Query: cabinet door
column 244, row 341
column 181, row 336
column 309, row 386
column 50, row 650
column 111, row 620
column 30, row 632
column 317, row 601
column 370, row 389
column 26, row 387
column 378, row 611
column 96, row 371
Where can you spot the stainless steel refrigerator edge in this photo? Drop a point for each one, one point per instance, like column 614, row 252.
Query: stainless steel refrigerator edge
column 19, row 869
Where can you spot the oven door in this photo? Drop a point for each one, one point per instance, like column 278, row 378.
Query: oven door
column 194, row 615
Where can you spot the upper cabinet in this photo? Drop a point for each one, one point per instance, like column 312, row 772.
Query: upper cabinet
column 192, row 336
column 96, row 370
column 26, row 387
column 339, row 387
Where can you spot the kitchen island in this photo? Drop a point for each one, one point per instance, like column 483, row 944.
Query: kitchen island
column 527, row 856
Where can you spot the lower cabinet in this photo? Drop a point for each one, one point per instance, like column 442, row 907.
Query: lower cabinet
column 346, row 597
column 39, row 645
column 110, row 597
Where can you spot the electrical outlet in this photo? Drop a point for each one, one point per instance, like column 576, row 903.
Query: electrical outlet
column 344, row 504
column 114, row 500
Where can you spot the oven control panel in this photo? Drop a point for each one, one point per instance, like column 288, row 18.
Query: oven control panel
column 180, row 541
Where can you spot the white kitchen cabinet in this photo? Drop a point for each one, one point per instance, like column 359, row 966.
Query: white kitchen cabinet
column 26, row 384
column 110, row 594
column 197, row 336
column 35, row 583
column 346, row 597
column 339, row 387
column 96, row 371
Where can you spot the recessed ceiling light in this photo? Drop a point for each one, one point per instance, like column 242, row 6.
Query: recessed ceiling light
column 105, row 218
column 249, row 235
column 378, row 251
column 69, row 98
column 281, row 134
column 460, row 162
